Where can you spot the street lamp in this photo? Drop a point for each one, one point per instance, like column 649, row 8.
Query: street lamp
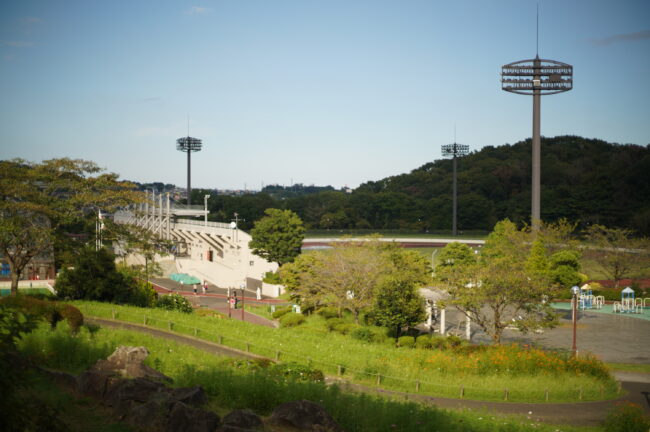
column 575, row 290
column 205, row 205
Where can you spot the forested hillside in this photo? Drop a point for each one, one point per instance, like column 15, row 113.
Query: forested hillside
column 585, row 180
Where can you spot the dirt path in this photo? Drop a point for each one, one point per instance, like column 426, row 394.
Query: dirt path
column 583, row 413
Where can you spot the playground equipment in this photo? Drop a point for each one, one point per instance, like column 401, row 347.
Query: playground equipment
column 586, row 297
column 628, row 304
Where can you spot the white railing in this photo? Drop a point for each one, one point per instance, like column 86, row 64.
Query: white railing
column 202, row 223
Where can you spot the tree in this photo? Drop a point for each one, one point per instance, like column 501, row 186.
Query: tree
column 499, row 290
column 454, row 254
column 397, row 304
column 616, row 252
column 37, row 199
column 278, row 236
column 94, row 277
column 347, row 276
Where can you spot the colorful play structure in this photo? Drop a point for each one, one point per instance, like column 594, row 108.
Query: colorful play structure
column 629, row 304
column 587, row 300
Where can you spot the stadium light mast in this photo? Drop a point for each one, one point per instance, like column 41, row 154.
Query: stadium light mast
column 454, row 151
column 536, row 77
column 189, row 145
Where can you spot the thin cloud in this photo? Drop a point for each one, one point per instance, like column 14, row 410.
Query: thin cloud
column 621, row 38
column 197, row 10
column 17, row 44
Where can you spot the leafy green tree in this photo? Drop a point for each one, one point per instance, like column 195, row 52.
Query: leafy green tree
column 347, row 276
column 36, row 200
column 564, row 269
column 397, row 304
column 278, row 236
column 499, row 290
column 94, row 277
column 454, row 254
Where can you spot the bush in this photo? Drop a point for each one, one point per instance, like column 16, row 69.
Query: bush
column 627, row 417
column 279, row 312
column 272, row 278
column 328, row 312
column 50, row 311
column 439, row 342
column 333, row 322
column 406, row 341
column 143, row 294
column 363, row 334
column 345, row 328
column 296, row 372
column 423, row 342
column 72, row 315
column 291, row 319
column 174, row 302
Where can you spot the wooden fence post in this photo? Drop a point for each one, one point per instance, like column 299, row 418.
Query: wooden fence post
column 378, row 379
column 462, row 391
column 171, row 324
column 220, row 340
column 417, row 385
column 339, row 371
column 505, row 394
column 546, row 395
column 113, row 313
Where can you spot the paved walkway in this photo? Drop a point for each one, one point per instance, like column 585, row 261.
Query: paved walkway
column 217, row 299
column 584, row 413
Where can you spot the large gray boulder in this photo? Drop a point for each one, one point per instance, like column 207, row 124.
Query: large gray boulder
column 306, row 416
column 128, row 362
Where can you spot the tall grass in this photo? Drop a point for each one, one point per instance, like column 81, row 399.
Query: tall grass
column 402, row 369
column 233, row 384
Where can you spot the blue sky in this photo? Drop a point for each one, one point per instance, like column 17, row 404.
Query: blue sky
column 319, row 92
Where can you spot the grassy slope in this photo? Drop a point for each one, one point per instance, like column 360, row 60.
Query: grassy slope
column 399, row 368
column 232, row 384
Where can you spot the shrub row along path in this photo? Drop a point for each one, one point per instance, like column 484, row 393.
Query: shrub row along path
column 636, row 386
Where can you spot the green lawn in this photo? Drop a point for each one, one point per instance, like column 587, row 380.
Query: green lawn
column 403, row 369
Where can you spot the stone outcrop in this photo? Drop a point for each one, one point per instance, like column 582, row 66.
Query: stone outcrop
column 137, row 394
column 239, row 420
column 306, row 416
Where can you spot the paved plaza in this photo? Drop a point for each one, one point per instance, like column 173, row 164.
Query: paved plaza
column 613, row 338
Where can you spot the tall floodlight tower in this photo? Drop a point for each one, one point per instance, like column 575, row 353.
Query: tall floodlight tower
column 536, row 77
column 454, row 151
column 188, row 145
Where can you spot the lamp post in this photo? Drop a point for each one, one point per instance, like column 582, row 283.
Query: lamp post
column 242, row 286
column 205, row 206
column 574, row 292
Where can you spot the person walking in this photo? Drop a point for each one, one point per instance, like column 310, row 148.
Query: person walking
column 194, row 288
column 205, row 287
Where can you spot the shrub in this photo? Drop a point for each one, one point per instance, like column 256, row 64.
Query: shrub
column 143, row 294
column 423, row 342
column 50, row 311
column 627, row 417
column 406, row 341
column 272, row 278
column 296, row 372
column 291, row 319
column 279, row 312
column 328, row 312
column 208, row 313
column 174, row 302
column 345, row 328
column 455, row 341
column 363, row 334
column 72, row 315
column 333, row 322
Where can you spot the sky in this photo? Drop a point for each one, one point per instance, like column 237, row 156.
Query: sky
column 325, row 92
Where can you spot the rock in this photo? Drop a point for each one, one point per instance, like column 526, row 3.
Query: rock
column 136, row 390
column 151, row 415
column 184, row 418
column 242, row 420
column 306, row 416
column 194, row 396
column 93, row 383
column 128, row 362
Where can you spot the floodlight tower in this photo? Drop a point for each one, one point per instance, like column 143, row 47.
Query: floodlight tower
column 188, row 145
column 536, row 77
column 454, row 150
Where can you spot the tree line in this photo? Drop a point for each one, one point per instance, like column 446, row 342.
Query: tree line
column 588, row 181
